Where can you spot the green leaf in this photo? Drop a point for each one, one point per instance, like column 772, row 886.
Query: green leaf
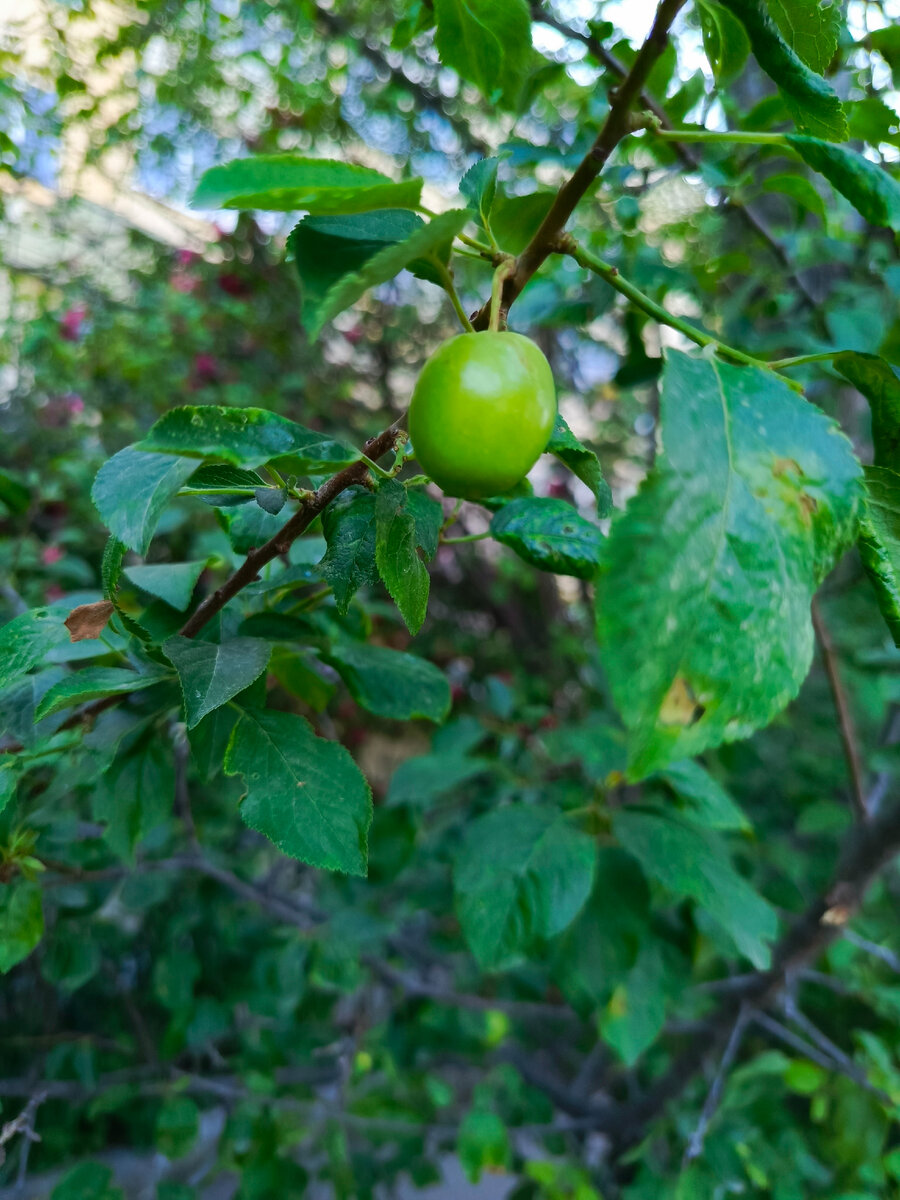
column 271, row 499
column 482, row 1144
column 690, row 861
column 634, row 1017
column 209, row 739
column 13, row 494
column 810, row 28
column 169, row 1190
column 21, row 921
column 111, row 567
column 251, row 526
column 869, row 188
column 212, row 674
column 305, row 794
column 87, row 1181
column 245, row 437
column 325, row 249
column 19, row 699
column 582, row 462
column 703, row 599
column 878, row 382
column 172, row 582
column 724, row 40
column 811, row 101
column 522, row 874
column 551, row 535
column 516, row 219
column 799, row 189
column 879, row 543
column 419, row 781
column 390, row 683
column 8, row 781
column 69, row 963
column 222, row 475
column 708, row 801
column 399, row 565
column 487, row 42
column 429, row 518
column 417, row 18
column 288, row 183
column 297, row 674
column 426, row 242
column 479, row 186
column 887, row 42
column 601, row 945
column 133, row 488
column 349, row 527
column 177, row 1126
column 135, row 796
column 93, row 683
column 27, row 639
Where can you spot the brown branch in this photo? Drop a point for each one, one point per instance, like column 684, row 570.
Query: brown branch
column 869, row 849
column 692, row 161
column 248, row 571
column 616, row 126
column 846, row 725
column 23, row 1125
column 292, row 910
column 418, row 988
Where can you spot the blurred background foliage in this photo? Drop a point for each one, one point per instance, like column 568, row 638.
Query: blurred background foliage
column 318, row 1035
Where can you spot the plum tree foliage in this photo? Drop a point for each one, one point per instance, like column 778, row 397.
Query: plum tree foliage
column 507, row 783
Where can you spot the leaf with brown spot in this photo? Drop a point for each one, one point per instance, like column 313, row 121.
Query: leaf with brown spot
column 705, row 583
column 680, row 706
column 88, row 620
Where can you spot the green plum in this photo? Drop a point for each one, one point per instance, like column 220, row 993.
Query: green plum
column 482, row 413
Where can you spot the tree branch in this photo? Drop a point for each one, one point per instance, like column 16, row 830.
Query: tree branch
column 869, row 849
column 745, row 211
column 280, row 544
column 817, row 1053
column 846, row 725
column 615, row 128
column 714, row 1095
column 524, row 1009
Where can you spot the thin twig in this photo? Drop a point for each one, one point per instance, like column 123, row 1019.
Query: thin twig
column 524, row 1009
column 694, row 1147
column 819, row 1038
column 883, row 780
column 821, row 1057
column 23, row 1126
column 882, row 953
column 846, row 725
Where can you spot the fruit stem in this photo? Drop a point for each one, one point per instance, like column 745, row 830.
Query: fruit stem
column 505, row 269
column 450, row 288
column 374, row 467
column 451, row 519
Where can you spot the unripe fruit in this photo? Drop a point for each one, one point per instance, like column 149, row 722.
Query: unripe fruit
column 482, row 413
